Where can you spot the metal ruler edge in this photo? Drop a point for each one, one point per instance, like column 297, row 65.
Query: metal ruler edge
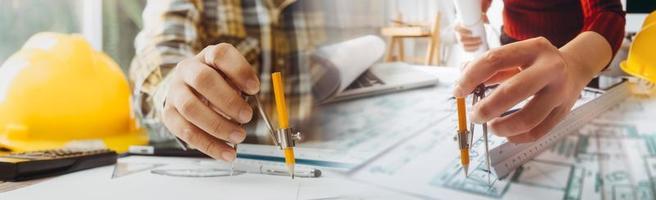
column 508, row 156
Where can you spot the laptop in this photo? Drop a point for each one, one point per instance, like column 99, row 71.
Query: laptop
column 352, row 69
column 386, row 78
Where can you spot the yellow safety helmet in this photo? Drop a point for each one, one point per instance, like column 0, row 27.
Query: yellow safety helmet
column 650, row 20
column 641, row 61
column 57, row 89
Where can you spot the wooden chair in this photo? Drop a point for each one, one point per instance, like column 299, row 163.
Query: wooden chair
column 399, row 31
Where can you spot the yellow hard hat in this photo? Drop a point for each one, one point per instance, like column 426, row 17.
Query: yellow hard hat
column 641, row 61
column 650, row 20
column 57, row 89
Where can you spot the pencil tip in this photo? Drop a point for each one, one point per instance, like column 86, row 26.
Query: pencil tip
column 291, row 170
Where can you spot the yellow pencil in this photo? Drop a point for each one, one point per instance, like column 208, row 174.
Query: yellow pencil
column 283, row 117
column 462, row 134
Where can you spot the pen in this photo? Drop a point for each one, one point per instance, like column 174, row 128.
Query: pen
column 234, row 166
column 156, row 151
column 284, row 133
column 277, row 170
column 209, row 172
column 463, row 134
column 212, row 170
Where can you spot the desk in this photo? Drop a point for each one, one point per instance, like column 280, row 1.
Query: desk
column 613, row 155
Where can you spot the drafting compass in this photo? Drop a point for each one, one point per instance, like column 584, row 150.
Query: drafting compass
column 478, row 95
column 283, row 137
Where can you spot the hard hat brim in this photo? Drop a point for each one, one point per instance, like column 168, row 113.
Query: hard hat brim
column 119, row 143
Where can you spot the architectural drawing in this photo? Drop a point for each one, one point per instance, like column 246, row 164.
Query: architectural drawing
column 613, row 157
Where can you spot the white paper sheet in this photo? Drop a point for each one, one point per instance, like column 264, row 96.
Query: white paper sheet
column 470, row 16
column 613, row 157
column 410, row 153
column 344, row 62
column 98, row 184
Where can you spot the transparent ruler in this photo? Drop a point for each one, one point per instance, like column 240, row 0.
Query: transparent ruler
column 507, row 157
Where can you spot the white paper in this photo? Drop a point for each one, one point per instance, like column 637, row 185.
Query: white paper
column 353, row 57
column 471, row 17
column 478, row 30
column 98, row 184
column 612, row 157
column 345, row 61
column 406, row 144
column 469, row 11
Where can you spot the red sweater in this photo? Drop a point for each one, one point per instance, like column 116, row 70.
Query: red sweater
column 561, row 20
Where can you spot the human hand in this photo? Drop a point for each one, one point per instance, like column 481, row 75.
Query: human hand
column 204, row 106
column 531, row 68
column 469, row 42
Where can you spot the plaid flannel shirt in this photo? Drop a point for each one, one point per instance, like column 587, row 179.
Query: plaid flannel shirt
column 273, row 35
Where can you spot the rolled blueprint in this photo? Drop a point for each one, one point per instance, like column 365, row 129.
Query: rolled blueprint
column 470, row 16
column 343, row 62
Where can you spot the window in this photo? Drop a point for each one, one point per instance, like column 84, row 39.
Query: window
column 20, row 19
column 121, row 22
column 110, row 24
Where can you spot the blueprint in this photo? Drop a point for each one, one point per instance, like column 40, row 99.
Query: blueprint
column 365, row 128
column 140, row 180
column 398, row 146
column 613, row 157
